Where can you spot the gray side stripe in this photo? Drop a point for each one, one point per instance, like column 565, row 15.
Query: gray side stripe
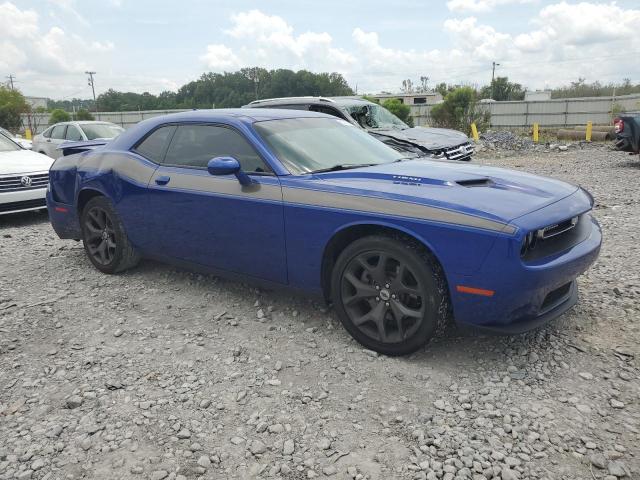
column 390, row 207
column 144, row 173
column 211, row 184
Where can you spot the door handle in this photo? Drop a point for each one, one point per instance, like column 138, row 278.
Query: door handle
column 49, row 140
column 163, row 180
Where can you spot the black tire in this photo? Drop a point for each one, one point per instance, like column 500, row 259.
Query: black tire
column 405, row 282
column 104, row 237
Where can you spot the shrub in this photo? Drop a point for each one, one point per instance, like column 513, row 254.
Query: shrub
column 84, row 114
column 12, row 104
column 59, row 115
column 459, row 110
column 399, row 109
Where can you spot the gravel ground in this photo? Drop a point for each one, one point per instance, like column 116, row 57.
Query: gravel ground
column 159, row 373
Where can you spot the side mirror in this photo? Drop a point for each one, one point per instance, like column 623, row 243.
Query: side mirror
column 228, row 166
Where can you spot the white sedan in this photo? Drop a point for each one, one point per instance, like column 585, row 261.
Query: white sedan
column 48, row 141
column 24, row 176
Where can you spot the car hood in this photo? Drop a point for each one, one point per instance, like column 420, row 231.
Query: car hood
column 23, row 161
column 425, row 137
column 489, row 192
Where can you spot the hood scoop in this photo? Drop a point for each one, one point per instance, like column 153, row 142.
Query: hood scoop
column 475, row 182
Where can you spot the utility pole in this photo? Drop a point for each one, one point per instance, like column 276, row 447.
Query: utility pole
column 93, row 89
column 11, row 78
column 493, row 76
column 256, row 80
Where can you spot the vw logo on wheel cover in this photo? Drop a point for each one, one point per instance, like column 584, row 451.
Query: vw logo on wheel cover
column 25, row 181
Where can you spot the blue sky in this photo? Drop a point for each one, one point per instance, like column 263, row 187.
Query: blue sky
column 152, row 46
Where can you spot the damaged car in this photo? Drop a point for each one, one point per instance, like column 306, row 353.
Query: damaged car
column 627, row 128
column 304, row 200
column 439, row 143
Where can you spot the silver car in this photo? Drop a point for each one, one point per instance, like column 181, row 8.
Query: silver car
column 48, row 141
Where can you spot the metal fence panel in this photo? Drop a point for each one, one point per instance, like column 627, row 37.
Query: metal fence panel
column 547, row 113
column 40, row 121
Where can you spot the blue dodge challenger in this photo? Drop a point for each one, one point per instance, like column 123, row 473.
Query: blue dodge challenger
column 397, row 244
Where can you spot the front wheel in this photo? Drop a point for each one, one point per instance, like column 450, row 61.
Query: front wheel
column 389, row 294
column 105, row 240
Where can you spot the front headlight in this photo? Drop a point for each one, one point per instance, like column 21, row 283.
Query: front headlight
column 529, row 242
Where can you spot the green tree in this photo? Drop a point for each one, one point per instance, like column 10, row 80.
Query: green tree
column 230, row 89
column 12, row 104
column 59, row 115
column 581, row 88
column 399, row 109
column 83, row 114
column 501, row 89
column 459, row 110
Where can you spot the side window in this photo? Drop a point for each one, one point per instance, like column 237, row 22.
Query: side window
column 195, row 145
column 155, row 144
column 58, row 132
column 73, row 134
column 293, row 106
column 327, row 110
column 47, row 133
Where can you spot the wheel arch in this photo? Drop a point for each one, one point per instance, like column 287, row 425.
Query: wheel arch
column 351, row 232
column 85, row 195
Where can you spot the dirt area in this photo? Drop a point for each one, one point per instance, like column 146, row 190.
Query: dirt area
column 159, row 373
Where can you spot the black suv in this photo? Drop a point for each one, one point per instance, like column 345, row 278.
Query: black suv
column 382, row 124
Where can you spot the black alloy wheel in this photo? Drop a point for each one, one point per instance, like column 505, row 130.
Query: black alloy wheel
column 389, row 294
column 100, row 236
column 104, row 237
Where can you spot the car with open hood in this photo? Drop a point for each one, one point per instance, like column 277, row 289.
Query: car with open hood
column 398, row 244
column 24, row 176
column 439, row 143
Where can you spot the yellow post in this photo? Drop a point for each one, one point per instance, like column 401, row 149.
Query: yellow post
column 589, row 129
column 27, row 133
column 536, row 133
column 474, row 132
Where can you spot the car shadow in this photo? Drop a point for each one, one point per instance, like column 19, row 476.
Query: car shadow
column 451, row 348
column 23, row 219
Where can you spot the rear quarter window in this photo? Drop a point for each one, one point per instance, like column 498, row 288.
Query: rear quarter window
column 154, row 145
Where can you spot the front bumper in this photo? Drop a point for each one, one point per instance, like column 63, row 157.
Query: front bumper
column 22, row 200
column 526, row 295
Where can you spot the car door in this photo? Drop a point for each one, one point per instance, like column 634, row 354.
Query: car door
column 56, row 138
column 73, row 134
column 214, row 220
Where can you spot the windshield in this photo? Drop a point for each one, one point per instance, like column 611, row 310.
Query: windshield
column 7, row 145
column 101, row 130
column 6, row 132
column 305, row 145
column 372, row 115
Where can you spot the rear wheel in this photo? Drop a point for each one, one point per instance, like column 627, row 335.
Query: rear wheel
column 389, row 294
column 105, row 240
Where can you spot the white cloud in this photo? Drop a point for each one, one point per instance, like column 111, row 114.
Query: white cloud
column 54, row 60
column 558, row 48
column 478, row 6
column 220, row 57
column 68, row 8
column 268, row 41
column 582, row 24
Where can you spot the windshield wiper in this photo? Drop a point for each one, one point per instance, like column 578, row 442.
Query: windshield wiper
column 343, row 166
